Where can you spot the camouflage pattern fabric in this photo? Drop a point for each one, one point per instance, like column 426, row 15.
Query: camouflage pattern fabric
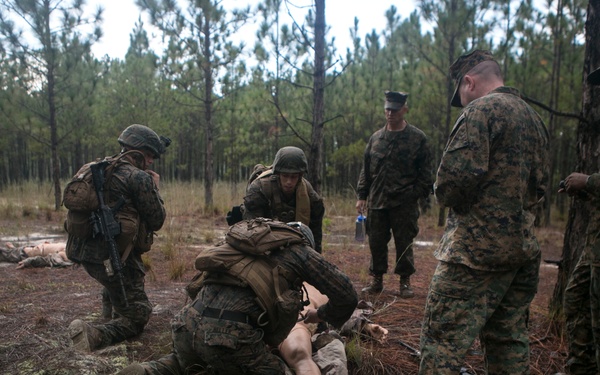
column 493, row 177
column 228, row 347
column 12, row 255
column 464, row 303
column 258, row 203
column 402, row 221
column 128, row 321
column 396, row 168
column 396, row 173
column 214, row 346
column 143, row 201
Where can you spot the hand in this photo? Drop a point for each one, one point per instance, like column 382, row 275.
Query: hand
column 155, row 176
column 21, row 265
column 360, row 206
column 312, row 316
column 574, row 183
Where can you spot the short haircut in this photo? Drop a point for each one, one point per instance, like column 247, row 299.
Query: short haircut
column 486, row 69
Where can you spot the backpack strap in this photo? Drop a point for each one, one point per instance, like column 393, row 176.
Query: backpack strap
column 302, row 203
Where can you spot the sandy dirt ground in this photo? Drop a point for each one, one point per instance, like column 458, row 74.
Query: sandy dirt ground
column 37, row 304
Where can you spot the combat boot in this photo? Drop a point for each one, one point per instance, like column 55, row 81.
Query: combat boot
column 85, row 337
column 376, row 285
column 405, row 289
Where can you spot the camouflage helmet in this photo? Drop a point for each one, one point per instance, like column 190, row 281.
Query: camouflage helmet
column 141, row 137
column 305, row 230
column 290, row 160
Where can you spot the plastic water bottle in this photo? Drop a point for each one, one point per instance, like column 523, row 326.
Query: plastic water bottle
column 360, row 230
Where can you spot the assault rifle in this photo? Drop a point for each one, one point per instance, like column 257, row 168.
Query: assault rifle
column 106, row 226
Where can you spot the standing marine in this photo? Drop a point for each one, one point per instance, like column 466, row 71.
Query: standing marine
column 396, row 173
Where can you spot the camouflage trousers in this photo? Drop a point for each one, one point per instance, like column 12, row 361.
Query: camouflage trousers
column 128, row 321
column 12, row 255
column 216, row 346
column 463, row 304
column 582, row 314
column 400, row 221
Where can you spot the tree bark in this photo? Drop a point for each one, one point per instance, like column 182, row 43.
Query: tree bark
column 588, row 146
column 315, row 161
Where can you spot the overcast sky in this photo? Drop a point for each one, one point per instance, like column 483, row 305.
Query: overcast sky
column 120, row 17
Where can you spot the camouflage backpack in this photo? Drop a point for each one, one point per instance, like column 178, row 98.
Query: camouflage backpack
column 81, row 200
column 242, row 261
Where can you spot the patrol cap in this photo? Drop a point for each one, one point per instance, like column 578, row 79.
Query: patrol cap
column 594, row 77
column 462, row 66
column 395, row 99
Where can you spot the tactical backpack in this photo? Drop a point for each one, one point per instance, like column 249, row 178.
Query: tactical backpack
column 81, row 200
column 242, row 261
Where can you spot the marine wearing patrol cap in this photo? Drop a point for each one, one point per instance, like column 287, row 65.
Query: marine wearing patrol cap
column 462, row 66
column 395, row 100
column 594, row 77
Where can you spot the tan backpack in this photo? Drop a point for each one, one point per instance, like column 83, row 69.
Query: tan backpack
column 242, row 261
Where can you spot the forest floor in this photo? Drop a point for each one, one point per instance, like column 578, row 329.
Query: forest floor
column 37, row 304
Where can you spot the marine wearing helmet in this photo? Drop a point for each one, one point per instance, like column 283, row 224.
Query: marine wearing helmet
column 140, row 137
column 282, row 193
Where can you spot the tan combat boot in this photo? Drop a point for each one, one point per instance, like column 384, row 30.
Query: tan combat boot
column 376, row 285
column 85, row 337
column 405, row 289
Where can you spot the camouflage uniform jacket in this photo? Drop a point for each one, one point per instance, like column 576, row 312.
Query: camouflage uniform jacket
column 591, row 192
column 259, row 203
column 309, row 266
column 493, row 176
column 143, row 205
column 396, row 168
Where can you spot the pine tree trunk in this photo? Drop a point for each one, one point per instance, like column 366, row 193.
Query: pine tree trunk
column 588, row 146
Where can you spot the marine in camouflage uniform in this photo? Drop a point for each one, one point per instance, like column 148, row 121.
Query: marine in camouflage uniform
column 144, row 210
column 582, row 294
column 265, row 196
column 396, row 173
column 218, row 331
column 492, row 176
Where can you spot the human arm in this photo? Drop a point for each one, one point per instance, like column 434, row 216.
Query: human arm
column 256, row 204
column 464, row 162
column 147, row 200
column 329, row 281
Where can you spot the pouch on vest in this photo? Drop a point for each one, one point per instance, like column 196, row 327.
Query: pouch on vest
column 261, row 235
column 79, row 197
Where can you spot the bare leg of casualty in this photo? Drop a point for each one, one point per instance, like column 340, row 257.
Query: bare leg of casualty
column 296, row 349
